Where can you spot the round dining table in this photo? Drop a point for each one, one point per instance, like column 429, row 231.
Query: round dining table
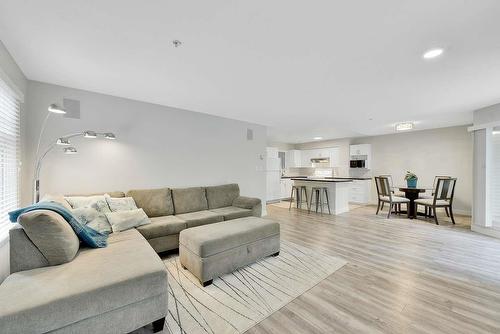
column 412, row 194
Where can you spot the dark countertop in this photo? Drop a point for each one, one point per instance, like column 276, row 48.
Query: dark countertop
column 352, row 178
column 328, row 177
column 319, row 179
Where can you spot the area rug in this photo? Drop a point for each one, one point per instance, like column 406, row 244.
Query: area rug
column 235, row 302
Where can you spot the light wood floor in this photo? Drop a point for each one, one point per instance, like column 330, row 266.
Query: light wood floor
column 403, row 276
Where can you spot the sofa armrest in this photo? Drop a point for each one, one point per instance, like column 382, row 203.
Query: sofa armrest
column 251, row 203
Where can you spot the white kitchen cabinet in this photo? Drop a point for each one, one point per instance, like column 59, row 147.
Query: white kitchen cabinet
column 292, row 159
column 360, row 149
column 361, row 152
column 305, row 158
column 359, row 191
column 334, row 154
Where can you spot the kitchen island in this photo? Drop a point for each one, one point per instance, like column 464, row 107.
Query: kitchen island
column 338, row 191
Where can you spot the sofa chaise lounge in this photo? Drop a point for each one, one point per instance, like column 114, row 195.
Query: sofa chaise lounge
column 116, row 289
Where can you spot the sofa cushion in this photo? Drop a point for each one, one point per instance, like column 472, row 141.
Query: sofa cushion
column 125, row 272
column 155, row 202
column 232, row 212
column 209, row 240
column 222, row 196
column 200, row 218
column 189, row 199
column 162, row 226
column 51, row 234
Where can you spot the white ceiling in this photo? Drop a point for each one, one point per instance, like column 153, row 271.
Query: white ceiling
column 304, row 68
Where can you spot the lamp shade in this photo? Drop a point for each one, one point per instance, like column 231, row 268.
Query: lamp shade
column 63, row 141
column 90, row 134
column 54, row 108
column 70, row 150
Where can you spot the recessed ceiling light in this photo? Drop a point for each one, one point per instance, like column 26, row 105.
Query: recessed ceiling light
column 404, row 126
column 176, row 43
column 433, row 53
column 318, row 138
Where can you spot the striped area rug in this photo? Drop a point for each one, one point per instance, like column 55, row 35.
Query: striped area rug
column 237, row 301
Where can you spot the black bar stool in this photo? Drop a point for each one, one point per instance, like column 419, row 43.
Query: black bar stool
column 299, row 190
column 319, row 192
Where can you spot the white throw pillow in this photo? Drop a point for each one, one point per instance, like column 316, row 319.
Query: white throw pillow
column 121, row 204
column 124, row 220
column 93, row 219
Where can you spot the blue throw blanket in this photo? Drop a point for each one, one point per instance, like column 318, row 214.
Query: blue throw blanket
column 86, row 234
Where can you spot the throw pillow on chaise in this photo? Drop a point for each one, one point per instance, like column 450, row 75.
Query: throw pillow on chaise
column 124, row 220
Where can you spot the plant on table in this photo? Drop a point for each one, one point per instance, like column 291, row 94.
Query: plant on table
column 411, row 179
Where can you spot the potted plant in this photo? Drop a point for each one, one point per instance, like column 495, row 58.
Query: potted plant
column 411, row 179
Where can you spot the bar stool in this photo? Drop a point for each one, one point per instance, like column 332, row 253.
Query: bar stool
column 298, row 196
column 318, row 192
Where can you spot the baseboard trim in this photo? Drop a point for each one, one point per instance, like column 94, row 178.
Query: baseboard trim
column 486, row 231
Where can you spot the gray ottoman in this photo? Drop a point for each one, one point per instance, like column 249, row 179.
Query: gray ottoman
column 209, row 251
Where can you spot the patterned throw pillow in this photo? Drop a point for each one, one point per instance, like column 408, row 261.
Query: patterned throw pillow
column 121, row 204
column 93, row 219
column 91, row 211
column 124, row 220
column 97, row 202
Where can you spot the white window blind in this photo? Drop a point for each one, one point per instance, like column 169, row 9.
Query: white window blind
column 9, row 154
column 495, row 179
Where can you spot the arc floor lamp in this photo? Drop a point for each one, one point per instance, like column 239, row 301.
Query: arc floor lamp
column 61, row 141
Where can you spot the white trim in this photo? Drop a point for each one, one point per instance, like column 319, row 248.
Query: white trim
column 485, row 230
column 483, row 126
column 11, row 86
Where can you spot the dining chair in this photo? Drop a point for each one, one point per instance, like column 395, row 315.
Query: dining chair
column 385, row 195
column 434, row 185
column 443, row 198
column 391, row 184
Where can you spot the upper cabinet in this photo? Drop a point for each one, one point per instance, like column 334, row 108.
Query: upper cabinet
column 361, row 149
column 302, row 158
column 292, row 159
column 361, row 152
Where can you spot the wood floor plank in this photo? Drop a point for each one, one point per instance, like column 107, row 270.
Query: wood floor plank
column 402, row 276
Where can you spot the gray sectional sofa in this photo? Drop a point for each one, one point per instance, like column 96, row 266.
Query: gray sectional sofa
column 173, row 210
column 119, row 288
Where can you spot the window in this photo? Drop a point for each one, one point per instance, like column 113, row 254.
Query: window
column 495, row 178
column 9, row 154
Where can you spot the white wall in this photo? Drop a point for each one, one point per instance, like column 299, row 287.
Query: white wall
column 445, row 151
column 157, row 146
column 10, row 72
column 481, row 218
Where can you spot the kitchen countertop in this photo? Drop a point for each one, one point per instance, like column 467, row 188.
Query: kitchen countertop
column 352, row 178
column 321, row 179
column 328, row 177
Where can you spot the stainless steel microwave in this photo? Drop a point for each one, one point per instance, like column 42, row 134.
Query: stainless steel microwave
column 358, row 163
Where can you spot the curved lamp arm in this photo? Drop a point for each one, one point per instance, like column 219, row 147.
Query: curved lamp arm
column 38, row 165
column 51, row 146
